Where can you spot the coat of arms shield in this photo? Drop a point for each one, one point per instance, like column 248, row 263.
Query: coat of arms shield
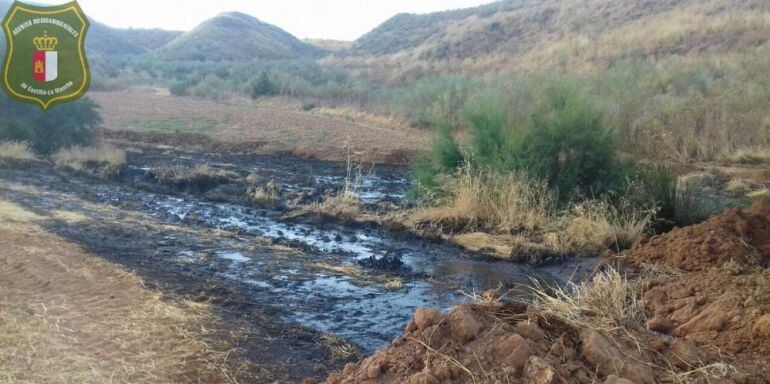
column 45, row 59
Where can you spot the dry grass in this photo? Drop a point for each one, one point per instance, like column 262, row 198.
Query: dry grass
column 69, row 317
column 749, row 156
column 596, row 225
column 16, row 150
column 343, row 206
column 104, row 160
column 394, row 284
column 200, row 177
column 608, row 303
column 343, row 269
column 346, row 205
column 510, row 205
column 264, row 196
column 740, row 187
column 502, row 202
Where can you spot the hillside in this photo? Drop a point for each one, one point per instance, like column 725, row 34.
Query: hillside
column 149, row 39
column 537, row 32
column 236, row 36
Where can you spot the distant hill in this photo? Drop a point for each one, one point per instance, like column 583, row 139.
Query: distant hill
column 236, row 36
column 149, row 39
column 107, row 41
column 531, row 32
column 329, row 44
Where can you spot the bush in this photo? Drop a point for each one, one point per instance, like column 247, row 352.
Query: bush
column 179, row 88
column 444, row 157
column 559, row 137
column 674, row 201
column 262, row 85
column 64, row 125
column 568, row 144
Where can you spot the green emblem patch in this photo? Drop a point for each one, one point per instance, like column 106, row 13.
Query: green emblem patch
column 45, row 59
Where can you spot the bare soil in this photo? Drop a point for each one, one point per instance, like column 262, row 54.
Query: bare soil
column 265, row 127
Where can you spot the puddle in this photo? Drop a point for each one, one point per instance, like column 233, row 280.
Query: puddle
column 369, row 315
column 235, row 257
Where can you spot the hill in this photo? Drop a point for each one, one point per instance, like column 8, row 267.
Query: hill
column 537, row 32
column 236, row 36
column 329, row 44
column 149, row 39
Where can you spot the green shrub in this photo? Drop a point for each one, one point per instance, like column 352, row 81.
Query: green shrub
column 262, row 85
column 179, row 88
column 444, row 157
column 569, row 144
column 64, row 125
column 680, row 203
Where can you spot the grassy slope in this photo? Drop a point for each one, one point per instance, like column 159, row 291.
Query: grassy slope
column 533, row 33
column 236, row 36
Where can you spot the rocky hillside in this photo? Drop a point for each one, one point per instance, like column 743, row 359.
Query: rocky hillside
column 236, row 36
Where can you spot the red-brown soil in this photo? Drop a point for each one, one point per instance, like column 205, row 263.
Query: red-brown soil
column 708, row 320
column 261, row 126
column 735, row 236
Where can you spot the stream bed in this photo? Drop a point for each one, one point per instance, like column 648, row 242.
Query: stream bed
column 356, row 282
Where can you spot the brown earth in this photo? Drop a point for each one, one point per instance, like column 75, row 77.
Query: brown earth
column 707, row 320
column 262, row 126
column 721, row 299
column 735, row 236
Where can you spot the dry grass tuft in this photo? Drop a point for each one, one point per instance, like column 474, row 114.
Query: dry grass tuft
column 749, row 156
column 508, row 204
column 340, row 349
column 345, row 205
column 200, row 177
column 505, row 202
column 343, row 269
column 264, row 196
column 608, row 303
column 394, row 284
column 16, row 150
column 740, row 187
column 596, row 225
column 103, row 161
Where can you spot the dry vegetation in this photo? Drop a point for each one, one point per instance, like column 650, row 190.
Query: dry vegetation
column 16, row 151
column 522, row 216
column 264, row 196
column 676, row 310
column 198, row 178
column 69, row 317
column 750, row 156
column 103, row 161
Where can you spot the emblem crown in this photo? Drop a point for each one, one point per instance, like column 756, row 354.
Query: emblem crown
column 45, row 43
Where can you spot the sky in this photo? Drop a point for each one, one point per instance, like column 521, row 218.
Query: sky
column 326, row 19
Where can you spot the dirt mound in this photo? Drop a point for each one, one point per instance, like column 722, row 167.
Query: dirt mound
column 722, row 300
column 725, row 310
column 498, row 343
column 707, row 320
column 737, row 236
